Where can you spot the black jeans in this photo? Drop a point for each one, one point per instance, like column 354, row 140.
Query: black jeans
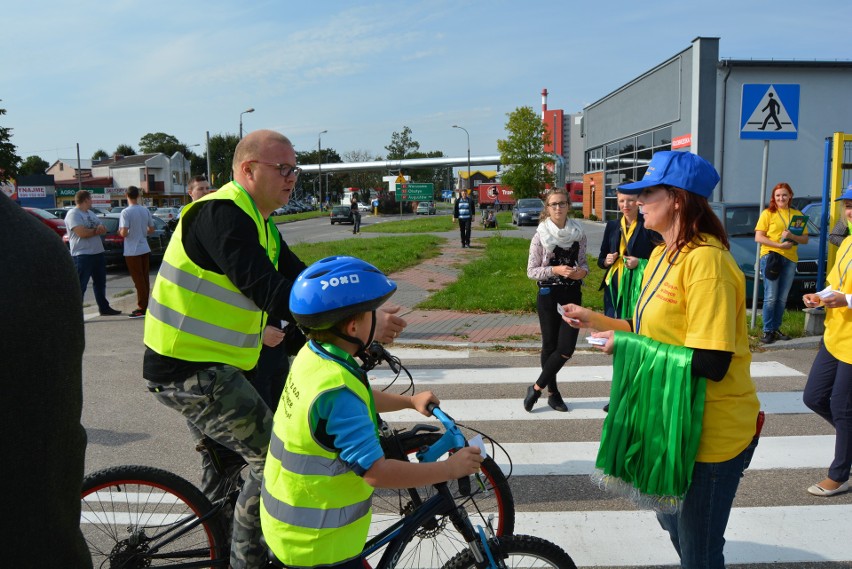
column 558, row 339
column 464, row 228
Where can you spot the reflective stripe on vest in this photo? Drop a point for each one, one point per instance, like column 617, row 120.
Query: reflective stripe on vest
column 199, row 315
column 464, row 208
column 314, row 509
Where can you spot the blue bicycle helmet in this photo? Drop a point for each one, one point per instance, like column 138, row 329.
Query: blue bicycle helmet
column 335, row 288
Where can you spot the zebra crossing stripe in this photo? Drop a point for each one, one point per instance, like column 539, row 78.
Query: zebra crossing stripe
column 578, row 458
column 465, row 410
column 569, row 374
column 796, row 534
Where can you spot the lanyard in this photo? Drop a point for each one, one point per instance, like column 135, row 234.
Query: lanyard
column 846, row 270
column 789, row 217
column 641, row 310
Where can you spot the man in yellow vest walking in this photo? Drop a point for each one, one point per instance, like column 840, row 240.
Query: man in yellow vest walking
column 225, row 271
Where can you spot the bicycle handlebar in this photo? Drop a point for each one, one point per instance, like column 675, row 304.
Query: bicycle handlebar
column 452, row 439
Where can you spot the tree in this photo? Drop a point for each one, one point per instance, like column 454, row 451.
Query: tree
column 125, row 150
column 197, row 163
column 221, row 148
column 99, row 154
column 364, row 179
column 402, row 145
column 154, row 142
column 523, row 153
column 33, row 165
column 8, row 158
column 332, row 184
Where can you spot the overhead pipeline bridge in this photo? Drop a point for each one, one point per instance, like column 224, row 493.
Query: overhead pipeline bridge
column 396, row 165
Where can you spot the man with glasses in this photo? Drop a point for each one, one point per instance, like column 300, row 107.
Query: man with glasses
column 225, row 272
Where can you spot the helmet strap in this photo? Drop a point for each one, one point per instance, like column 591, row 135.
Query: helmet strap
column 361, row 352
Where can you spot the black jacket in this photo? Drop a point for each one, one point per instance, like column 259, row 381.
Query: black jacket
column 641, row 243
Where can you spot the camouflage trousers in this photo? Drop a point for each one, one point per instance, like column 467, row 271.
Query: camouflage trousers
column 221, row 403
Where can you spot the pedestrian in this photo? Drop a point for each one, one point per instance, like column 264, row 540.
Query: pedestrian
column 776, row 240
column 135, row 224
column 463, row 211
column 224, row 272
column 356, row 214
column 625, row 249
column 87, row 249
column 198, row 187
column 42, row 381
column 828, row 392
column 557, row 262
column 689, row 324
column 326, row 457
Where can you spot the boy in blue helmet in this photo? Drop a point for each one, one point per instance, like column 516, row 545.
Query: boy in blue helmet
column 325, row 457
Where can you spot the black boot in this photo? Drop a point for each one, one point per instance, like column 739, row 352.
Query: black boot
column 531, row 398
column 555, row 401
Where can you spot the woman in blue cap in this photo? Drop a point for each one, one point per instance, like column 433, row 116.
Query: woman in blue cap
column 829, row 389
column 681, row 366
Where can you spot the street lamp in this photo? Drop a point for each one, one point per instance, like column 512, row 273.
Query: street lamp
column 469, row 183
column 319, row 164
column 249, row 110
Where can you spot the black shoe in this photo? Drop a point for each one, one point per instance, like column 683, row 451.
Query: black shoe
column 767, row 338
column 606, row 408
column 780, row 336
column 555, row 401
column 531, row 398
column 110, row 312
column 138, row 313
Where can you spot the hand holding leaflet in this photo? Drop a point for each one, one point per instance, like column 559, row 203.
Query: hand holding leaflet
column 596, row 341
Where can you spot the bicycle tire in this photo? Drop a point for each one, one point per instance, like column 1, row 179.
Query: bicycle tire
column 518, row 551
column 435, row 544
column 124, row 508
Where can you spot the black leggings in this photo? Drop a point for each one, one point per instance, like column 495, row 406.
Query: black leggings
column 558, row 339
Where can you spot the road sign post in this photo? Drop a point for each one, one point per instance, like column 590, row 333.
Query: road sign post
column 768, row 112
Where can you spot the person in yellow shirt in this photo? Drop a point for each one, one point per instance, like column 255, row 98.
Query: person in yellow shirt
column 774, row 235
column 828, row 391
column 693, row 296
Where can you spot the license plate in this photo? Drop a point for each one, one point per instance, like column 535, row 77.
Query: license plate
column 809, row 285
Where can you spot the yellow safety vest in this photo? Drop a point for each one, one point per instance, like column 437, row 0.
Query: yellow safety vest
column 314, row 510
column 200, row 316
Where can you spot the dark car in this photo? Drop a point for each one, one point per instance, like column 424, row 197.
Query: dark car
column 527, row 211
column 53, row 222
column 59, row 212
column 739, row 220
column 799, row 202
column 114, row 242
column 342, row 214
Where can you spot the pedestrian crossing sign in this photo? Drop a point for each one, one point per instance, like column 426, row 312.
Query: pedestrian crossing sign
column 770, row 112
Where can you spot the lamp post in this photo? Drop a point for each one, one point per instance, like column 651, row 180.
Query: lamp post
column 186, row 173
column 319, row 165
column 469, row 183
column 249, row 110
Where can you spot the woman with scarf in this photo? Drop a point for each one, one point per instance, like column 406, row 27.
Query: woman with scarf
column 682, row 424
column 557, row 262
column 625, row 249
column 828, row 391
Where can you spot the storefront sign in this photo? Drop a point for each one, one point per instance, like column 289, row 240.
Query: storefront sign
column 32, row 192
column 684, row 141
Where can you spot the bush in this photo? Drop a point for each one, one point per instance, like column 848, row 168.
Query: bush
column 593, row 217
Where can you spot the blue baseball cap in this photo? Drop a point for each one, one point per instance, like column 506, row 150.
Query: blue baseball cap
column 847, row 195
column 683, row 170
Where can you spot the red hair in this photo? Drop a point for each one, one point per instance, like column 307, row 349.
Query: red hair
column 773, row 207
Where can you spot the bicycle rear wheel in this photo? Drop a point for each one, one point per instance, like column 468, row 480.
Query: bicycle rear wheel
column 435, row 543
column 140, row 516
column 518, row 551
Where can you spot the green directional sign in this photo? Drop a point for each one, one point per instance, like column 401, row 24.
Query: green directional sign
column 415, row 192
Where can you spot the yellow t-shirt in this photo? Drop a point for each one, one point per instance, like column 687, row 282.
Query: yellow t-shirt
column 774, row 223
column 838, row 321
column 699, row 302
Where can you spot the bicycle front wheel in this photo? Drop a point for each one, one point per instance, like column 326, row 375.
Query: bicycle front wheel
column 139, row 516
column 518, row 551
column 437, row 541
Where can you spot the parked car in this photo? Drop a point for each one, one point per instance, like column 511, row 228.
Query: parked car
column 739, row 220
column 799, row 202
column 286, row 210
column 118, row 209
column 342, row 214
column 59, row 212
column 425, row 208
column 814, row 212
column 363, row 208
column 53, row 222
column 114, row 242
column 527, row 211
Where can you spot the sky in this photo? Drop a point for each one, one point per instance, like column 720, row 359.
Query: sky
column 100, row 74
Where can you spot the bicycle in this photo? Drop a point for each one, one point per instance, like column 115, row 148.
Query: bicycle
column 138, row 515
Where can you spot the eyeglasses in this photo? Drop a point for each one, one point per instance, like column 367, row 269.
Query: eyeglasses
column 284, row 169
column 554, row 205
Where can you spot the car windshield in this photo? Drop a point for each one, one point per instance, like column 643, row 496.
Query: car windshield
column 529, row 203
column 740, row 221
column 43, row 214
column 111, row 224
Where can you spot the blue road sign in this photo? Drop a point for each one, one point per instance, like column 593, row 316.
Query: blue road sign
column 770, row 112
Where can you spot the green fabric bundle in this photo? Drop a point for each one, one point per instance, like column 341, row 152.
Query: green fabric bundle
column 651, row 433
column 629, row 288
